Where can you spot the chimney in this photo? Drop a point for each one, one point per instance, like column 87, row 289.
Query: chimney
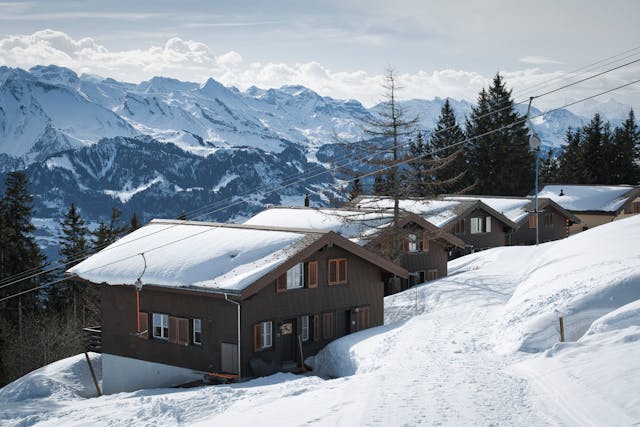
column 306, row 200
column 561, row 192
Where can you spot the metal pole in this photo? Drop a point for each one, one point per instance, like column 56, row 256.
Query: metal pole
column 226, row 297
column 537, row 151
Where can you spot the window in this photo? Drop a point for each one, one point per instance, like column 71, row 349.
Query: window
column 316, row 327
column 338, row 271
column 262, row 335
column 295, row 276
column 312, row 274
column 197, row 331
column 363, row 318
column 632, row 208
column 532, row 220
column 458, row 228
column 480, row 225
column 305, row 328
column 548, row 219
column 412, row 243
column 161, row 326
column 328, row 326
column 432, row 275
column 178, row 330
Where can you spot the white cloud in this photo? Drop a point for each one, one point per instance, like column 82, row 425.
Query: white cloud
column 538, row 60
column 194, row 61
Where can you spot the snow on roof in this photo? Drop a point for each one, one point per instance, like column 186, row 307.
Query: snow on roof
column 514, row 208
column 204, row 255
column 358, row 226
column 605, row 198
column 437, row 212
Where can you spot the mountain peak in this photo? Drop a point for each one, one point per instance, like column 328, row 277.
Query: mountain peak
column 55, row 74
column 213, row 88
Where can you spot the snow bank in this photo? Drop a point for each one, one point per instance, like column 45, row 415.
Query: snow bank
column 624, row 317
column 68, row 378
column 580, row 278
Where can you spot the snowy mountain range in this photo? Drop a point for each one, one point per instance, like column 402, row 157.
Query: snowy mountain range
column 165, row 147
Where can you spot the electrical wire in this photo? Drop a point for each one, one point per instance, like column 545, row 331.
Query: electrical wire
column 404, row 161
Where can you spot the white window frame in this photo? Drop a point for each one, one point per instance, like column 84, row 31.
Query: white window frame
column 295, row 276
column 267, row 336
column 305, row 328
column 197, row 328
column 480, row 225
column 161, row 321
column 412, row 240
column 487, row 228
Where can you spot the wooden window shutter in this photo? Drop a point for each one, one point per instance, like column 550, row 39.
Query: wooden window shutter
column 404, row 245
column 173, row 329
column 316, row 327
column 143, row 321
column 342, row 271
column 183, row 331
column 312, row 274
column 532, row 220
column 257, row 337
column 281, row 283
column 425, row 242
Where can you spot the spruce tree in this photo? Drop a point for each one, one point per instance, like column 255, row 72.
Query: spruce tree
column 418, row 173
column 134, row 224
column 625, row 161
column 501, row 162
column 595, row 151
column 570, row 163
column 450, row 175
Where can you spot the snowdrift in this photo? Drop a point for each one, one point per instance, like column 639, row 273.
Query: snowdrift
column 581, row 278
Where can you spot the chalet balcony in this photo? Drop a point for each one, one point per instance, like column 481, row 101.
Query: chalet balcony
column 93, row 339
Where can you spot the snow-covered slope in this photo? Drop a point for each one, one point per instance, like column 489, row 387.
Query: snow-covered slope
column 434, row 362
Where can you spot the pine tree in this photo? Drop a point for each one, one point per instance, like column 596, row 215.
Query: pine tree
column 101, row 237
column 418, row 174
column 595, row 151
column 548, row 172
column 451, row 173
column 500, row 162
column 19, row 253
column 73, row 249
column 625, row 161
column 134, row 224
column 570, row 163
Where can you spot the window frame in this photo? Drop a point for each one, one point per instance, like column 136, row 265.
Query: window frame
column 266, row 333
column 196, row 331
column 412, row 243
column 304, row 328
column 163, row 326
column 295, row 277
column 480, row 224
column 338, row 279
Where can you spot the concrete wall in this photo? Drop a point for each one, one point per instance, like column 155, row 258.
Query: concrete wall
column 120, row 374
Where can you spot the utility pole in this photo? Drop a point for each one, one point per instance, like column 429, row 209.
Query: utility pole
column 534, row 144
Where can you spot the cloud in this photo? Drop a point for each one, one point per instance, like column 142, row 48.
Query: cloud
column 538, row 60
column 194, row 61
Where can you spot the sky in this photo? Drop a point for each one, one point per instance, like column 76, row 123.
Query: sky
column 337, row 48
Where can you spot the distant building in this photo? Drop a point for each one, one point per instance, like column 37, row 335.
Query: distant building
column 555, row 221
column 594, row 204
column 477, row 224
column 424, row 246
column 181, row 299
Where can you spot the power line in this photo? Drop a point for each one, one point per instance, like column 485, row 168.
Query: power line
column 404, row 161
column 82, row 255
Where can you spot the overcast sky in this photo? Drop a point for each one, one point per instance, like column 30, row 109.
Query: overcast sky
column 338, row 48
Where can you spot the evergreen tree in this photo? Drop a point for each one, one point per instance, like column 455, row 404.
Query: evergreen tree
column 19, row 253
column 418, row 172
column 500, row 162
column 134, row 224
column 116, row 228
column 570, row 163
column 625, row 161
column 356, row 189
column 101, row 237
column 595, row 151
column 548, row 173
column 450, row 175
column 73, row 249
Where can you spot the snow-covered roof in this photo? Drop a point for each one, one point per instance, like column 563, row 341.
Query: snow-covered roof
column 514, row 208
column 437, row 212
column 359, row 226
column 201, row 255
column 585, row 198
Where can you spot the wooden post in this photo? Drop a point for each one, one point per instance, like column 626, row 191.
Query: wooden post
column 93, row 374
column 561, row 329
column 20, row 336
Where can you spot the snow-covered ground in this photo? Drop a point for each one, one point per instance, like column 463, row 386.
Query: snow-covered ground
column 479, row 347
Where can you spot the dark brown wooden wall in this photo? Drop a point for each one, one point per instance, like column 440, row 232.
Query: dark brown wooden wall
column 527, row 236
column 435, row 258
column 364, row 288
column 497, row 236
column 119, row 325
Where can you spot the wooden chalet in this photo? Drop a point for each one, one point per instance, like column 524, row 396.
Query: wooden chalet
column 554, row 219
column 594, row 204
column 183, row 299
column 478, row 225
column 424, row 246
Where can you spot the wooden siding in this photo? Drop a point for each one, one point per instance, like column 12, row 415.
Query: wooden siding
column 435, row 258
column 119, row 326
column 479, row 241
column 527, row 236
column 364, row 287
